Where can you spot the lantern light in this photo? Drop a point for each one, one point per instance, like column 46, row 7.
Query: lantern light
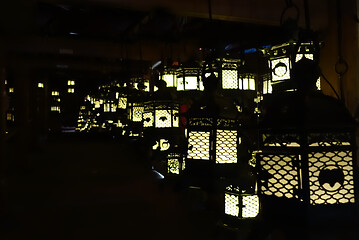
column 188, row 78
column 161, row 114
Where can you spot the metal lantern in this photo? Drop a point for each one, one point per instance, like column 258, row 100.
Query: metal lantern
column 135, row 110
column 281, row 60
column 229, row 73
column 161, row 114
column 188, row 78
column 169, row 75
column 238, row 204
column 308, row 150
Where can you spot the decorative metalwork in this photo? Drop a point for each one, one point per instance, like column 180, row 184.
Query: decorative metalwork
column 226, row 146
column 198, row 145
column 160, row 114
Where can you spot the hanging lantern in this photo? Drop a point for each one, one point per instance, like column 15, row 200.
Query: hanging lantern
column 238, row 204
column 229, row 70
column 161, row 114
column 308, row 149
column 281, row 60
column 188, row 78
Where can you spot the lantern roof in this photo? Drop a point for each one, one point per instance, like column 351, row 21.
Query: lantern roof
column 307, row 111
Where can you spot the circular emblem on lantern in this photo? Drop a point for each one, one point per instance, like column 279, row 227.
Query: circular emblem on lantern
column 280, row 69
column 331, row 178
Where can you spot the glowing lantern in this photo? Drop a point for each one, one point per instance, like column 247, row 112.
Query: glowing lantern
column 240, row 205
column 212, row 129
column 189, row 79
column 281, row 60
column 161, row 114
column 230, row 74
column 169, row 75
column 308, row 149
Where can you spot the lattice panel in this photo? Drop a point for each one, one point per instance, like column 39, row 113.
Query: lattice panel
column 173, row 166
column 251, row 206
column 331, row 177
column 229, row 79
column 280, row 69
column 226, row 146
column 198, row 143
column 282, row 175
column 231, row 202
column 137, row 114
column 190, row 83
column 163, row 118
column 148, row 119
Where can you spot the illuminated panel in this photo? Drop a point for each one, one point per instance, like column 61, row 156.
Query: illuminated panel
column 231, row 202
column 280, row 69
column 267, row 87
column 106, row 107
column 55, row 108
column 331, row 177
column 318, row 85
column 170, row 80
column 251, row 206
column 282, row 175
column 137, row 112
column 226, row 146
column 148, row 119
column 122, row 102
column 198, row 143
column 163, row 118
column 55, row 93
column 180, row 84
column 70, row 90
column 173, row 166
column 190, row 83
column 40, row 85
column 70, row 82
column 229, row 79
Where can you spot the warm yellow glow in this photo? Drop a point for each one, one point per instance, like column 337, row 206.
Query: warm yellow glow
column 226, row 146
column 175, row 120
column 97, row 104
column 180, row 84
column 113, row 107
column 122, row 102
column 284, row 174
column 300, row 56
column 331, row 192
column 251, row 206
column 11, row 90
column 148, row 120
column 163, row 118
column 173, row 166
column 280, row 69
column 70, row 82
column 70, row 90
column 267, row 87
column 55, row 108
column 40, row 85
column 231, row 202
column 170, row 80
column 5, row 81
column 230, row 79
column 136, row 113
column 190, row 83
column 198, row 142
column 55, row 93
column 10, row 117
column 106, row 107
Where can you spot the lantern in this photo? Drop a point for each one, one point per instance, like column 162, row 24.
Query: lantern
column 188, row 78
column 240, row 204
column 281, row 60
column 161, row 114
column 212, row 129
column 308, row 149
column 229, row 71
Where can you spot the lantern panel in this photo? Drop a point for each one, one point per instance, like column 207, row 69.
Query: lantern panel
column 198, row 145
column 122, row 102
column 231, row 205
column 173, row 163
column 281, row 175
column 163, row 118
column 170, row 80
column 137, row 112
column 180, row 84
column 148, row 119
column 251, row 206
column 191, row 83
column 226, row 146
column 229, row 79
column 331, row 177
column 280, row 69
